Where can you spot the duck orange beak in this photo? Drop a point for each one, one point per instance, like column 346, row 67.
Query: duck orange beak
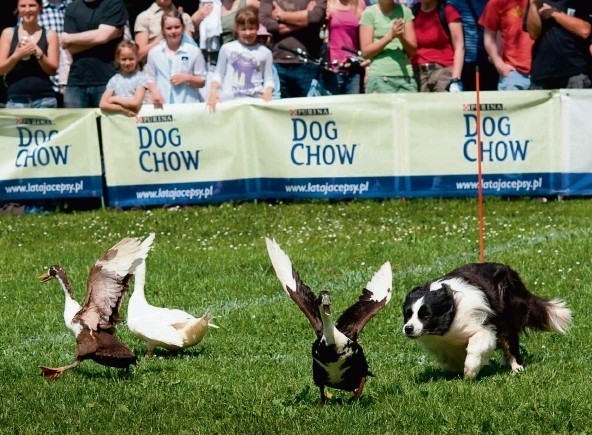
column 45, row 277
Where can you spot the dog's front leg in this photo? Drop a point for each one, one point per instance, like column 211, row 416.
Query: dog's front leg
column 481, row 346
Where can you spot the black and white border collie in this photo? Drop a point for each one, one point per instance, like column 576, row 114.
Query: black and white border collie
column 463, row 316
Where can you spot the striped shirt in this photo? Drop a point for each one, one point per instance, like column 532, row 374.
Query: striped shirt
column 470, row 11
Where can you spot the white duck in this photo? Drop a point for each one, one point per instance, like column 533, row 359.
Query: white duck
column 171, row 329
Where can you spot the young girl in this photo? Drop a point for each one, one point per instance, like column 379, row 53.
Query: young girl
column 125, row 90
column 175, row 69
column 343, row 18
column 244, row 67
column 28, row 57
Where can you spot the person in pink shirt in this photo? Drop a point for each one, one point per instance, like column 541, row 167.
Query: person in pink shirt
column 346, row 72
column 502, row 20
column 439, row 58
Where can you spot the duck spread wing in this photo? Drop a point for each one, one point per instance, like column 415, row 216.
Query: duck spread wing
column 109, row 280
column 373, row 298
column 293, row 285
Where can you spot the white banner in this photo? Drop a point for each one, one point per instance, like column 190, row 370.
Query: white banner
column 577, row 142
column 368, row 146
column 177, row 154
column 329, row 147
column 49, row 153
column 520, row 136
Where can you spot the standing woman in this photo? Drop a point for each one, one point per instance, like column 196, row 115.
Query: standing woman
column 176, row 69
column 387, row 37
column 343, row 22
column 28, row 58
column 440, row 53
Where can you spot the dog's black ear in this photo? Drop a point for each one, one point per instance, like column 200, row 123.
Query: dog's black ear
column 446, row 308
column 445, row 296
column 447, row 289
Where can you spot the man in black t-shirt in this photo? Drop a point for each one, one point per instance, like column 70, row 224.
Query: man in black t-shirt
column 295, row 26
column 92, row 30
column 561, row 30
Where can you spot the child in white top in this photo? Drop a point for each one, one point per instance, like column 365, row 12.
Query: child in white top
column 244, row 67
column 175, row 69
column 125, row 90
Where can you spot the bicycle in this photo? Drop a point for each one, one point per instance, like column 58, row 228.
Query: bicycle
column 317, row 89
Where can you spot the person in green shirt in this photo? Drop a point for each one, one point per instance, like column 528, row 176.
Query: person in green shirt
column 387, row 37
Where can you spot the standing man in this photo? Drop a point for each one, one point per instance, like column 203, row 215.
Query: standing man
column 92, row 30
column 295, row 24
column 502, row 20
column 561, row 30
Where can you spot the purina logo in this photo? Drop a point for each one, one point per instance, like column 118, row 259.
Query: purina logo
column 321, row 111
column 154, row 118
column 483, row 106
column 33, row 121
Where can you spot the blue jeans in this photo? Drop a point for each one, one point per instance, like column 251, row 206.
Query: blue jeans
column 28, row 103
column 348, row 81
column 295, row 78
column 515, row 81
column 78, row 97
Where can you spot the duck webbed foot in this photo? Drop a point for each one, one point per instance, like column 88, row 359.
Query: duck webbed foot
column 358, row 391
column 50, row 373
column 323, row 397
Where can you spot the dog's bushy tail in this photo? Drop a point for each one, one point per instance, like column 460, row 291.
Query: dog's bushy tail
column 550, row 315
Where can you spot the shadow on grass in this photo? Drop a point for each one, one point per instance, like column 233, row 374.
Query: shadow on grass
column 310, row 396
column 164, row 353
column 98, row 372
column 493, row 368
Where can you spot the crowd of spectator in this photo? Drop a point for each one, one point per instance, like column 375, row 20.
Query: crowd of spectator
column 87, row 53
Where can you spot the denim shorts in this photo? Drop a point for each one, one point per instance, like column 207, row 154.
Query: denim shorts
column 29, row 103
column 515, row 81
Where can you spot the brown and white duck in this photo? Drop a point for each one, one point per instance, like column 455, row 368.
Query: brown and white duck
column 338, row 360
column 71, row 305
column 94, row 323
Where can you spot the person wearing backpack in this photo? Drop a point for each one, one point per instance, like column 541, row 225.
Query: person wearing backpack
column 438, row 61
column 475, row 54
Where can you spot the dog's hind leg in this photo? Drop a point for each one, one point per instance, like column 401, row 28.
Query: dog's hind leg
column 511, row 348
column 481, row 346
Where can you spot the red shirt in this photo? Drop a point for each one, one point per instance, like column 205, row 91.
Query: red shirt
column 505, row 16
column 433, row 43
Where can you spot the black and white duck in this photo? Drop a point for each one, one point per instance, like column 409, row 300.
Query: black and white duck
column 338, row 360
column 94, row 323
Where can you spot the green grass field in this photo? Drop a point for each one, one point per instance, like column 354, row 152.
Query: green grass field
column 253, row 375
